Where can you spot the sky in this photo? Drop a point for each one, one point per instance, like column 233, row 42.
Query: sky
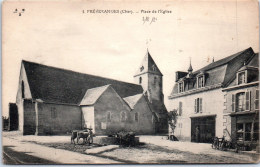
column 113, row 45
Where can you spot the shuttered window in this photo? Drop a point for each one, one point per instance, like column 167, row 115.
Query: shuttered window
column 195, row 106
column 180, row 108
column 200, row 103
column 248, row 97
column 257, row 99
column 233, row 102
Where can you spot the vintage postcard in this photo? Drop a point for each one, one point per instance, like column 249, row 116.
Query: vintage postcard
column 130, row 82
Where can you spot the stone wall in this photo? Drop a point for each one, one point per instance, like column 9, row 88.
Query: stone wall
column 145, row 124
column 55, row 119
column 29, row 118
column 111, row 102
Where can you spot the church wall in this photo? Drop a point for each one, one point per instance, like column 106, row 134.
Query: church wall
column 210, row 106
column 144, row 81
column 56, row 119
column 29, row 118
column 19, row 99
column 144, row 125
column 111, row 102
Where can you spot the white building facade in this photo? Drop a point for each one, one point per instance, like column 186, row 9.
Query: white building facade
column 200, row 101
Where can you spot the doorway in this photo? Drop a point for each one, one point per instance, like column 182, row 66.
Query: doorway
column 203, row 129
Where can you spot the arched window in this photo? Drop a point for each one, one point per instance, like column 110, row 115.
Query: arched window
column 22, row 89
column 153, row 67
column 108, row 116
column 140, row 80
column 136, row 117
column 123, row 116
column 154, row 81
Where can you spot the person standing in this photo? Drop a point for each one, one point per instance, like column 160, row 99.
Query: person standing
column 197, row 134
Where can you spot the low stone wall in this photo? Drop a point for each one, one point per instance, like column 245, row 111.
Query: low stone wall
column 104, row 140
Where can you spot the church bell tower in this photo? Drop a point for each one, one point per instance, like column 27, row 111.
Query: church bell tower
column 150, row 77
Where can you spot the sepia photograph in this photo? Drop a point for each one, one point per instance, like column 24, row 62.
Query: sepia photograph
column 130, row 82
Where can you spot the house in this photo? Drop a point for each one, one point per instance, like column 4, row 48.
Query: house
column 241, row 105
column 199, row 98
column 55, row 101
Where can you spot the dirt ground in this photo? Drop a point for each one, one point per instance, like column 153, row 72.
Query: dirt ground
column 150, row 153
column 153, row 149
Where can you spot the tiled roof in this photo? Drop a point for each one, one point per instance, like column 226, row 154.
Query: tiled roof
column 57, row 85
column 219, row 72
column 132, row 100
column 92, row 95
column 221, row 61
column 251, row 64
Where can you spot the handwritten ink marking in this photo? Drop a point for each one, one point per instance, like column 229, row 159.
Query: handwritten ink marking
column 19, row 13
column 148, row 20
column 154, row 19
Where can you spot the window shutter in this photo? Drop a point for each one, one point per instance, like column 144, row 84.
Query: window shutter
column 247, row 101
column 233, row 102
column 195, row 106
column 180, row 108
column 200, row 103
column 257, row 99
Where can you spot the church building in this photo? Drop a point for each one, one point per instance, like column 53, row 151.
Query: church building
column 53, row 101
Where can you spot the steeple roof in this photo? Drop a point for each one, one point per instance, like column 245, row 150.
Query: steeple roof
column 190, row 68
column 148, row 66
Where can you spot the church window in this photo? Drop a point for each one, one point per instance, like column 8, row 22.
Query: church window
column 154, row 81
column 123, row 116
column 108, row 116
column 136, row 117
column 140, row 80
column 22, row 89
column 53, row 112
column 153, row 67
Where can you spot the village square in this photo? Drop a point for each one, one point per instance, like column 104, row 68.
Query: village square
column 130, row 82
column 65, row 117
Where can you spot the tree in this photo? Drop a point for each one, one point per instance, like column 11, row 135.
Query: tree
column 172, row 121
